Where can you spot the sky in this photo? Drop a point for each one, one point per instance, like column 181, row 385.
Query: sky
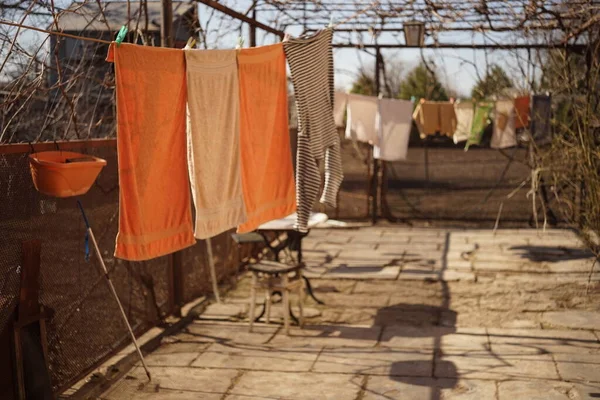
column 457, row 68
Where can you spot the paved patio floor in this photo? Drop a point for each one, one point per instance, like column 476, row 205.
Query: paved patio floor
column 409, row 314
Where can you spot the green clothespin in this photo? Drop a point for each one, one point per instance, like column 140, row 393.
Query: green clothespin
column 121, row 35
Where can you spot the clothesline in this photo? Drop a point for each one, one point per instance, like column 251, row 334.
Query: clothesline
column 33, row 28
column 89, row 39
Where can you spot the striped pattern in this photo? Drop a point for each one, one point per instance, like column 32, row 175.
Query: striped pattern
column 311, row 64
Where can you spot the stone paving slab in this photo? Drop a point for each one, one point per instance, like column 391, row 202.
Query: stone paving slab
column 391, row 388
column 434, row 338
column 356, row 300
column 489, row 365
column 375, row 361
column 533, row 390
column 328, row 336
column 447, row 276
column 161, row 394
column 360, row 255
column 573, row 319
column 209, row 332
column 263, row 358
column 168, row 381
column 362, row 272
column 527, row 341
column 585, row 390
column 297, row 386
column 338, row 246
column 354, row 316
column 176, row 354
column 579, row 366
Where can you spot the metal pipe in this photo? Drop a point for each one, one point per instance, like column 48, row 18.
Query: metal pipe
column 232, row 13
column 112, row 289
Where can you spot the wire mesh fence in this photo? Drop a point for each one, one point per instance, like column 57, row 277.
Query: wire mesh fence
column 84, row 327
column 446, row 185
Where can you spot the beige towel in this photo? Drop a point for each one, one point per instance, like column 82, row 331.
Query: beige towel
column 360, row 124
column 447, row 118
column 504, row 125
column 464, row 119
column 340, row 100
column 434, row 117
column 394, row 121
column 213, row 101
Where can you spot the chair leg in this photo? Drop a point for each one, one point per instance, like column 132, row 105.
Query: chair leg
column 286, row 304
column 268, row 304
column 301, row 297
column 253, row 299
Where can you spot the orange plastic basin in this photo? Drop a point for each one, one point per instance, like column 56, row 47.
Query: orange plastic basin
column 64, row 173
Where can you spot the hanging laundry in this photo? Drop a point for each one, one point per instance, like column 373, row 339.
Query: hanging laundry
column 480, row 122
column 522, row 104
column 464, row 119
column 267, row 173
column 504, row 125
column 311, row 65
column 213, row 100
column 447, row 118
column 427, row 118
column 361, row 114
column 541, row 113
column 155, row 216
column 394, row 122
column 433, row 117
column 339, row 107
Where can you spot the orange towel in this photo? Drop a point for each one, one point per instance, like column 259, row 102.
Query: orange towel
column 154, row 202
column 267, row 172
column 522, row 112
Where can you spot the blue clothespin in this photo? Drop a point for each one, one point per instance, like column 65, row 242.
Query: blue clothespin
column 413, row 99
column 121, row 35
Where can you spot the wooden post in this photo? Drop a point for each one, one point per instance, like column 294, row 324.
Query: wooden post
column 176, row 278
column 177, row 282
column 253, row 30
column 29, row 332
column 30, row 285
column 166, row 27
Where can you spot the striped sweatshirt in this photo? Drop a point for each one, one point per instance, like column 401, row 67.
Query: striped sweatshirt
column 311, row 65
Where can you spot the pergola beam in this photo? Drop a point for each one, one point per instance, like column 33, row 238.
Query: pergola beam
column 239, row 16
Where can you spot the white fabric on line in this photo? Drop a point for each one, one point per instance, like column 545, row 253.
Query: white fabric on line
column 361, row 114
column 504, row 125
column 339, row 107
column 464, row 119
column 394, row 123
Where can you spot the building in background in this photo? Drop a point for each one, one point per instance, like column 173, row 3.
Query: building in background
column 103, row 21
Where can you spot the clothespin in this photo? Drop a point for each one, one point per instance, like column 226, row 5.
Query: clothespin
column 286, row 38
column 121, row 35
column 191, row 42
column 380, row 96
column 240, row 43
column 413, row 99
column 330, row 26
